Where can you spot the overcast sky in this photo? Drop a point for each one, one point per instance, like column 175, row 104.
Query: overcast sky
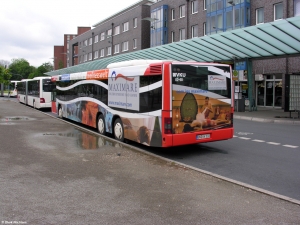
column 30, row 28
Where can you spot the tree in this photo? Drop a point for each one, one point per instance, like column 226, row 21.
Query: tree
column 20, row 69
column 41, row 70
column 4, row 75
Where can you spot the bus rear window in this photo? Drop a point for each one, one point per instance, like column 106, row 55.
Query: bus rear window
column 214, row 79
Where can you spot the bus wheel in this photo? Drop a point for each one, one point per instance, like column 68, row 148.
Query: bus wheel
column 60, row 112
column 101, row 124
column 118, row 130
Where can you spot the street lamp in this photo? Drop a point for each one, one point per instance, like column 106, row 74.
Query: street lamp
column 233, row 14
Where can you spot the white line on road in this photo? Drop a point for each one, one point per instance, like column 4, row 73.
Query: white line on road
column 256, row 140
column 244, row 138
column 290, row 146
column 273, row 143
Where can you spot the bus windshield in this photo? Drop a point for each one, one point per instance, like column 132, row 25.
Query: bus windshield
column 48, row 86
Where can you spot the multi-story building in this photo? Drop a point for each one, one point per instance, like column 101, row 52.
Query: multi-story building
column 61, row 53
column 149, row 24
column 125, row 31
column 188, row 19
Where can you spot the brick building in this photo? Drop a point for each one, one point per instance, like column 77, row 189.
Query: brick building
column 147, row 24
column 61, row 52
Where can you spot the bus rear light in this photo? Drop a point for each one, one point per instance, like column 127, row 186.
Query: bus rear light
column 168, row 125
column 42, row 100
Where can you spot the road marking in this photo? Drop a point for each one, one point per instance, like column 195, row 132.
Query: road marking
column 235, row 136
column 244, row 138
column 273, row 143
column 290, row 146
column 256, row 140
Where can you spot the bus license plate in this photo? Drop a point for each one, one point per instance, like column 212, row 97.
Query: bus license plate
column 202, row 136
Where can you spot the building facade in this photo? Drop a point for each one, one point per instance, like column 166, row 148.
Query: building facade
column 61, row 56
column 122, row 32
column 149, row 24
column 195, row 18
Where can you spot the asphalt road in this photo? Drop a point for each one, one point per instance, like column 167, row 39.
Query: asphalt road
column 265, row 155
column 55, row 173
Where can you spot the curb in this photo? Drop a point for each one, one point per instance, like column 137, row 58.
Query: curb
column 265, row 120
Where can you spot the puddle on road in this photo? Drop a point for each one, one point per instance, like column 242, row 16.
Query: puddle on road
column 86, row 141
column 16, row 118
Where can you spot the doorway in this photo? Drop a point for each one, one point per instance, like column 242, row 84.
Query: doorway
column 269, row 91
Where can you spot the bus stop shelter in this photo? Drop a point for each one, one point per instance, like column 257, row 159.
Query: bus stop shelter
column 270, row 40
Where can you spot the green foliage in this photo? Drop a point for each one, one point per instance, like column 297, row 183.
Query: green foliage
column 20, row 69
column 4, row 75
column 41, row 70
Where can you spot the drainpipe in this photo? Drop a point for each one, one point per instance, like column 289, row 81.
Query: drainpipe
column 187, row 18
column 112, row 39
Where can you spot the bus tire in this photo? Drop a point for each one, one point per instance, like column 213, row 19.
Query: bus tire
column 60, row 112
column 119, row 130
column 101, row 124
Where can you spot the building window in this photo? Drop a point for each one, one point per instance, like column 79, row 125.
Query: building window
column 85, row 43
column 102, row 52
column 96, row 55
column 90, row 56
column 172, row 14
column 204, row 29
column 102, row 36
column 109, row 50
column 134, row 22
column 90, row 41
column 125, row 46
column 109, row 32
column 117, row 48
column 204, row 4
column 182, row 34
column 117, row 30
column 181, row 11
column 194, row 31
column 296, row 7
column 278, row 11
column 96, row 38
column 194, row 6
column 125, row 26
column 172, row 36
column 259, row 15
column 85, row 57
column 134, row 43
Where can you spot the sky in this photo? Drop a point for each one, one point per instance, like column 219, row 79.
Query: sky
column 29, row 29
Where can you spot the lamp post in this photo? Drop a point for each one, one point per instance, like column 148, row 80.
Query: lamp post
column 152, row 26
column 233, row 14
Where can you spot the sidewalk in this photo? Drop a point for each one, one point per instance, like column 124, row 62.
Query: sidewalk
column 271, row 115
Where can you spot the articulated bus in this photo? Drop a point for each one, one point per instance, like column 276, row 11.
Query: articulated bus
column 11, row 89
column 35, row 92
column 154, row 102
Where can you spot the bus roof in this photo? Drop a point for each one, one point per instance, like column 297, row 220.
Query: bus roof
column 136, row 62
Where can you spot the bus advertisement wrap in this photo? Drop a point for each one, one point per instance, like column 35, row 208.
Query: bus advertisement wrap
column 123, row 91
